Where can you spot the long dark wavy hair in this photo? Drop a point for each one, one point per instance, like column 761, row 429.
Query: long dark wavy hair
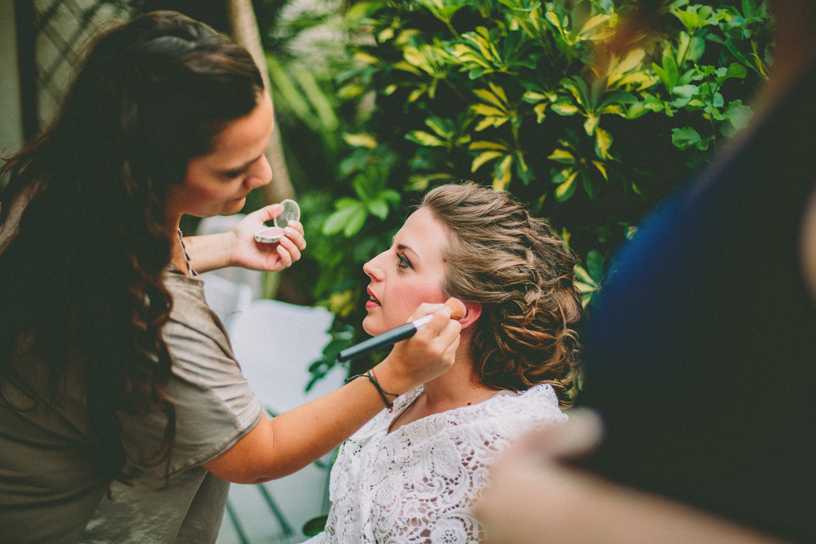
column 522, row 274
column 83, row 234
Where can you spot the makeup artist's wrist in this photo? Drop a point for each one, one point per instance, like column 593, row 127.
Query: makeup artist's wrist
column 394, row 379
column 210, row 251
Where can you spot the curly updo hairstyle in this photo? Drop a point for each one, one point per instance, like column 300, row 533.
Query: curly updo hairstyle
column 522, row 274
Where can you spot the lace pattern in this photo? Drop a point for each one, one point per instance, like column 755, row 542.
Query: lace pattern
column 417, row 484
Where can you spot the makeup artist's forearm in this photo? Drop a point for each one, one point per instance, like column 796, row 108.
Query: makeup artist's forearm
column 209, row 252
column 287, row 443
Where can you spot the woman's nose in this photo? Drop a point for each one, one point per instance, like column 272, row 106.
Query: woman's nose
column 259, row 174
column 373, row 269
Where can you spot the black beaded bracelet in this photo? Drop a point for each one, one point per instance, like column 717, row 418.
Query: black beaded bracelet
column 380, row 390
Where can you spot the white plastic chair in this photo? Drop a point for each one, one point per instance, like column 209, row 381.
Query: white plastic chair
column 275, row 343
column 227, row 299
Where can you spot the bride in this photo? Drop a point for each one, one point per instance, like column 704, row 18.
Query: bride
column 412, row 473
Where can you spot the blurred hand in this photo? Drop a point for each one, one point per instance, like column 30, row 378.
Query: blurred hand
column 535, row 497
column 248, row 253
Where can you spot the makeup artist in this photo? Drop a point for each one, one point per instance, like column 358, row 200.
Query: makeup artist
column 412, row 473
column 123, row 413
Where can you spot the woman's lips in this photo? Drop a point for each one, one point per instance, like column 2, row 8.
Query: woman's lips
column 372, row 302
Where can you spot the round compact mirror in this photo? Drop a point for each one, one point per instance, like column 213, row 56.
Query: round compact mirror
column 270, row 235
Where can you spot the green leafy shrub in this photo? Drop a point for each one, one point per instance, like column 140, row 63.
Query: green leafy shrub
column 590, row 112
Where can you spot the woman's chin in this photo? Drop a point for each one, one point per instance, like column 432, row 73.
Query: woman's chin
column 372, row 327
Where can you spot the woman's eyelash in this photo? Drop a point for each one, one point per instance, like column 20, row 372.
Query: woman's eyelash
column 403, row 261
column 234, row 173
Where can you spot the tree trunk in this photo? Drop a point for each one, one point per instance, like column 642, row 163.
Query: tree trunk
column 245, row 32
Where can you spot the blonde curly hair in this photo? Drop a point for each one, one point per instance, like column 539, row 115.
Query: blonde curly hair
column 522, row 274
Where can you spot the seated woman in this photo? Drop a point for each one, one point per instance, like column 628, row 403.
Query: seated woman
column 412, row 473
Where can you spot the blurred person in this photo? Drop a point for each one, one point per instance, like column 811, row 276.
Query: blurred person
column 123, row 413
column 701, row 357
column 412, row 473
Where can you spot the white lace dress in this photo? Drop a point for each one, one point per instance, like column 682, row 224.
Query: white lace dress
column 417, row 484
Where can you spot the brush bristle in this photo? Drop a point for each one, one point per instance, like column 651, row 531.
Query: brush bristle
column 457, row 307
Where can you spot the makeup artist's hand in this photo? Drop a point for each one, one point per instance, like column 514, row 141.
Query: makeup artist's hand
column 248, row 253
column 239, row 248
column 424, row 356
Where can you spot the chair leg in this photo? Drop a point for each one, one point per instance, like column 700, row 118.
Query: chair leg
column 236, row 523
column 276, row 511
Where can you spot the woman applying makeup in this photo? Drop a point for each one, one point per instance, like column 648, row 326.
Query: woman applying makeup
column 411, row 474
column 123, row 413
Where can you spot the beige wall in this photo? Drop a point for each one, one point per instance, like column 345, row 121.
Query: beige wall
column 11, row 129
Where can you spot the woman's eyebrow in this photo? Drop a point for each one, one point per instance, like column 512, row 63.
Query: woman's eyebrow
column 242, row 166
column 403, row 247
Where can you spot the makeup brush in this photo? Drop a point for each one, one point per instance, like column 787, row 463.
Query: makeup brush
column 398, row 333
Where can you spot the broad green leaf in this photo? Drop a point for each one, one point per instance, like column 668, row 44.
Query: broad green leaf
column 361, row 139
column 483, row 158
column 366, row 58
column 484, row 109
column 636, row 110
column 405, row 67
column 664, row 77
column 498, row 91
column 484, row 144
column 532, row 97
column 492, row 98
column 385, row 35
column 485, row 123
column 631, row 60
column 563, row 156
column 416, row 93
column 601, row 168
column 442, row 127
column 423, row 138
column 595, row 265
column 355, row 222
column 686, row 137
column 378, row 208
column 338, row 220
column 749, row 9
column 738, row 116
column 736, row 70
column 584, row 277
column 603, row 141
column 696, row 49
column 540, row 112
column 594, row 21
column 563, row 106
column 671, row 69
column 591, row 124
column 502, row 173
column 590, row 184
column 617, row 97
column 564, row 191
column 690, row 20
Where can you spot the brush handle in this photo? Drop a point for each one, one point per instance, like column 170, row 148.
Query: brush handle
column 398, row 334
column 387, row 338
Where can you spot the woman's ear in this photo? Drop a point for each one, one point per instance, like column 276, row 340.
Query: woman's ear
column 472, row 314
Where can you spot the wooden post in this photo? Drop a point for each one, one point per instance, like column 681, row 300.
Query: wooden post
column 245, row 32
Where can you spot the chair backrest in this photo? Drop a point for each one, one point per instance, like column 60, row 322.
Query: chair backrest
column 227, row 299
column 275, row 343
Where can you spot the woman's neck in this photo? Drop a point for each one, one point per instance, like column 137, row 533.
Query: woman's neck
column 456, row 388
